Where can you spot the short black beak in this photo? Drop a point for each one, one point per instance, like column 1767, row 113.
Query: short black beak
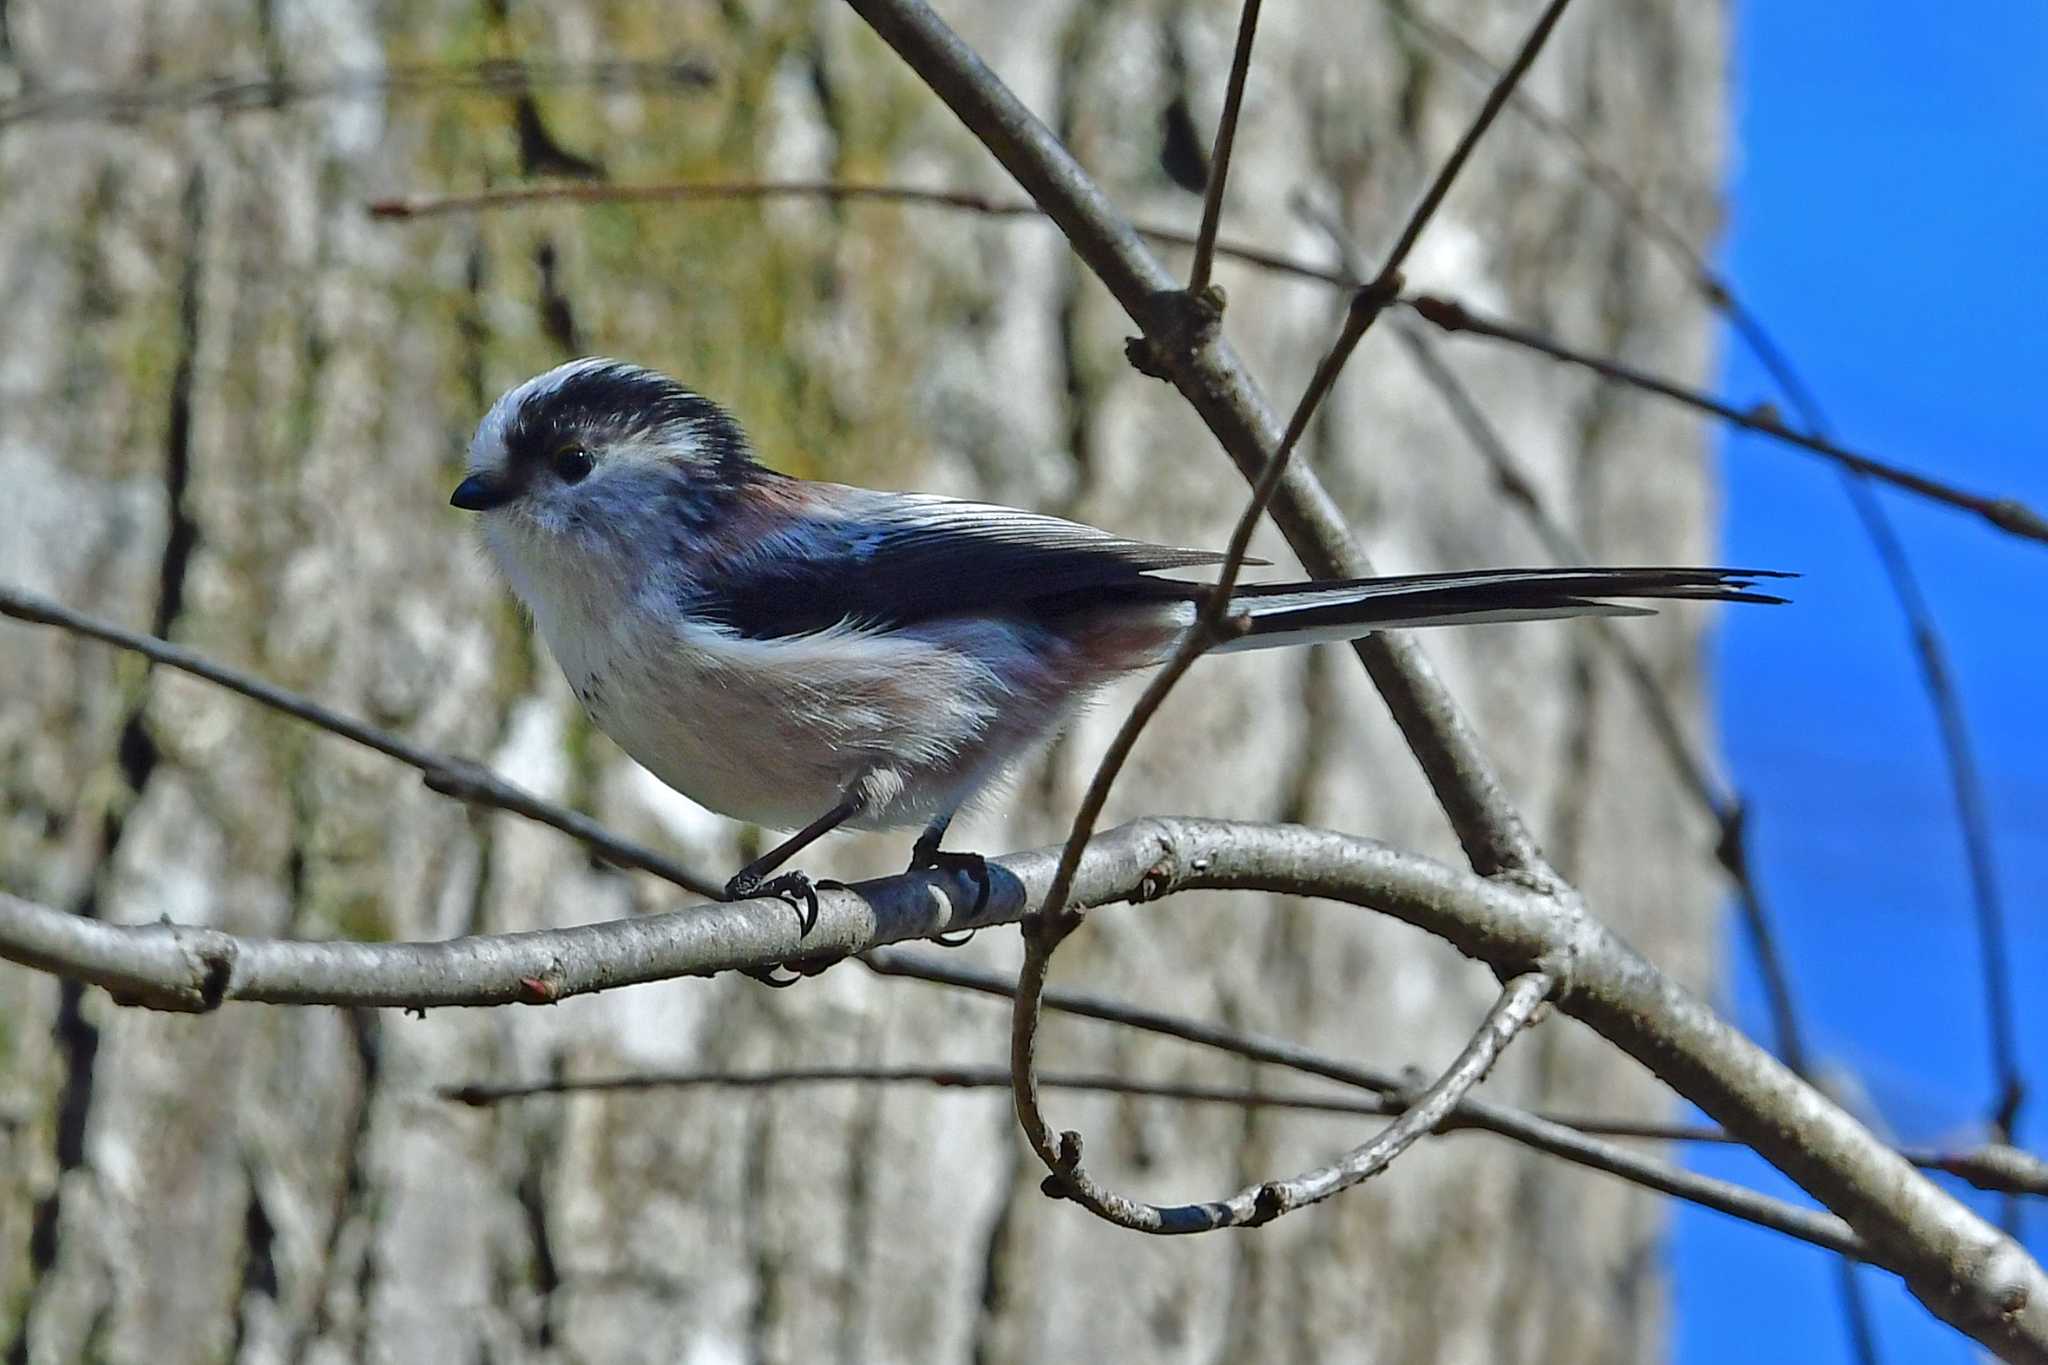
column 482, row 492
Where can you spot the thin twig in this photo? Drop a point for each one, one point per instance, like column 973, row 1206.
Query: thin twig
column 1693, row 770
column 742, row 191
column 1226, row 138
column 1575, row 1137
column 461, row 778
column 1256, row 1205
column 2005, row 513
column 1512, row 1012
column 1611, row 181
column 247, row 94
column 1929, row 650
column 699, row 191
column 1496, row 98
column 1728, row 812
column 1212, row 625
column 1966, row 783
column 1818, row 1229
column 480, row 1094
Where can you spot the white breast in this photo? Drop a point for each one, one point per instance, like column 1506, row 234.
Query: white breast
column 774, row 732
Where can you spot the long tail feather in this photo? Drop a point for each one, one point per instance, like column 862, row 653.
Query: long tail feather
column 1342, row 609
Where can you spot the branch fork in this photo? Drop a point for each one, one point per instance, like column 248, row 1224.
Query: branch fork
column 1179, row 323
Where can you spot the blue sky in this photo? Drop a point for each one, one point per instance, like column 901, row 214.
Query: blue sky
column 1889, row 222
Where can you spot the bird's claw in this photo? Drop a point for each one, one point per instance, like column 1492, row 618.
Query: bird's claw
column 801, row 893
column 796, row 888
column 924, row 859
column 796, row 968
column 767, row 976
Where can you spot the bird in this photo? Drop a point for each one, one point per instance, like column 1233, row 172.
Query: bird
column 807, row 656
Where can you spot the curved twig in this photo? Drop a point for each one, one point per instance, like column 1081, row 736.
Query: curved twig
column 1053, row 923
column 1256, row 1205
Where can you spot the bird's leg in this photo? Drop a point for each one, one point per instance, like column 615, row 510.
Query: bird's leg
column 796, row 888
column 925, row 852
column 925, row 855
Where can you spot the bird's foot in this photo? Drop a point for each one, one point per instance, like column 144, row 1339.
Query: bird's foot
column 801, row 893
column 796, row 888
column 927, row 859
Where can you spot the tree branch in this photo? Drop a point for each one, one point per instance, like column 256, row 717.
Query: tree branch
column 1575, row 1137
column 2007, row 514
column 1256, row 1205
column 1964, row 1269
column 1773, row 1215
column 1054, row 922
column 1503, row 88
column 188, row 968
column 480, row 1094
column 1728, row 812
column 461, row 778
column 1226, row 138
column 1207, row 372
column 235, row 94
column 2029, row 523
column 721, row 191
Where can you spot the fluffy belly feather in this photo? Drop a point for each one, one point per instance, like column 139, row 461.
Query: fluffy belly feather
column 777, row 732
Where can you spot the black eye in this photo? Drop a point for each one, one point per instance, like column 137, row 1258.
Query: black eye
column 573, row 464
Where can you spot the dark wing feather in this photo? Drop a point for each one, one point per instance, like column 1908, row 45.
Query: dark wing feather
column 886, row 560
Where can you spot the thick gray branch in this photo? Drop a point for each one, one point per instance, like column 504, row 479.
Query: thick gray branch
column 1963, row 1268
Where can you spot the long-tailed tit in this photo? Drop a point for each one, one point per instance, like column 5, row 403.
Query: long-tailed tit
column 809, row 655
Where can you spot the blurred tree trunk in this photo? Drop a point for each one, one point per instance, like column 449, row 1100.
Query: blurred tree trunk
column 233, row 406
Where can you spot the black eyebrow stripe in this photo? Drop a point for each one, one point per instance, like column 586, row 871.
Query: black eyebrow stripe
column 620, row 401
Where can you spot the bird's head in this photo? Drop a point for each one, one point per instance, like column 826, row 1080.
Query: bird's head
column 597, row 445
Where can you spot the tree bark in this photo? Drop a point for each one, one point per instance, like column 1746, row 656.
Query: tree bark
column 234, row 405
